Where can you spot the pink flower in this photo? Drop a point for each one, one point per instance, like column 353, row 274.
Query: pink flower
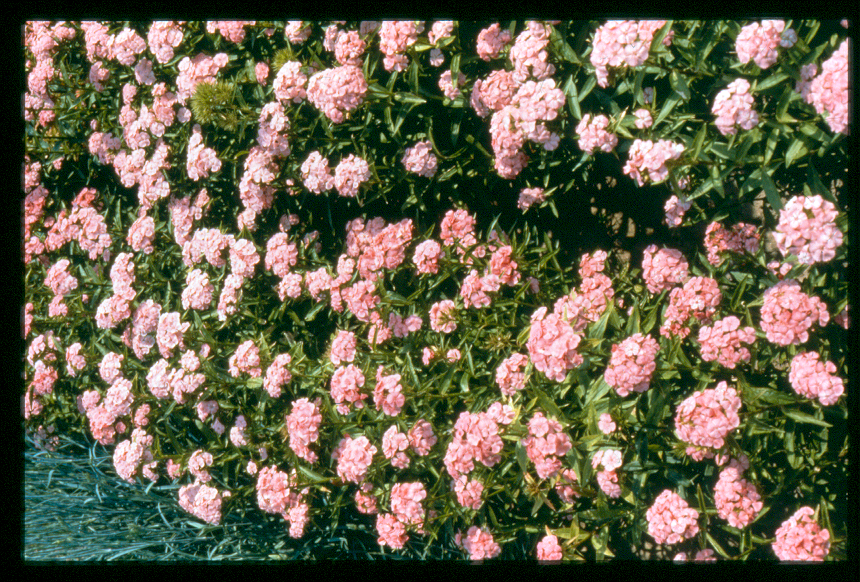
column 510, row 376
column 421, row 437
column 812, row 378
column 202, row 501
column 388, row 394
column 788, row 314
column 529, row 196
column 480, row 545
column 468, row 492
column 419, row 159
column 169, row 333
column 277, row 375
column 491, row 40
column 442, row 316
column 646, row 160
column 394, row 446
column 337, row 91
column 391, row 531
column 197, row 465
column 345, row 385
column 807, row 228
column 593, row 135
column 758, row 42
column 698, row 298
column 545, row 444
column 303, row 428
column 406, row 503
column 316, row 175
column 733, row 107
column 426, row 257
column 799, row 538
column 552, row 345
column 606, row 424
column 737, row 500
column 671, row 520
column 828, row 92
column 548, row 549
column 447, row 85
column 632, row 364
column 675, row 209
column 643, row 118
column 343, row 348
column 355, row 458
column 623, row 43
column 349, row 174
column 742, row 238
column 246, row 360
column 706, row 417
column 723, row 342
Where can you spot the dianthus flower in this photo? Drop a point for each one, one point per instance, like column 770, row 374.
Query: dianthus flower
column 646, row 160
column 458, row 227
column 707, row 416
column 232, row 30
column 807, row 228
column 426, row 257
column 479, row 544
column 632, row 364
column 548, row 549
column 337, row 91
column 246, row 360
column 593, row 135
column 442, row 318
column 345, row 385
column 276, row 491
column 395, row 36
column 733, row 107
column 740, row 239
column 759, row 42
column 552, row 345
column 201, row 69
column 698, row 298
column 388, row 394
column 197, row 464
column 421, row 437
column 281, row 254
column 675, row 209
column 606, row 424
column 671, row 520
column 800, row 538
column 529, row 54
column 392, row 532
column 141, row 234
column 361, row 299
column 349, row 174
column 475, row 437
column 394, row 446
column 316, row 175
column 493, row 93
column 663, row 269
column 447, row 85
column 198, row 291
column 623, row 43
column 828, row 92
column 343, row 348
column 162, row 37
column 419, row 159
column 723, row 342
column 788, row 314
column 297, row 31
column 813, row 378
column 202, row 501
column 303, row 428
column 406, row 503
column 277, row 375
column 546, row 444
column 354, row 458
column 290, row 83
column 529, row 196
column 491, row 40
column 643, row 119
column 169, row 333
column 510, row 376
column 737, row 500
column 706, row 555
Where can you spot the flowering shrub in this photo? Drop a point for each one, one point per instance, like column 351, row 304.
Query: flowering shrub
column 302, row 272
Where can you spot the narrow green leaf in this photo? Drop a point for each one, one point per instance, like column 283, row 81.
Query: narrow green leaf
column 770, row 191
column 796, row 150
column 679, row 85
column 805, row 418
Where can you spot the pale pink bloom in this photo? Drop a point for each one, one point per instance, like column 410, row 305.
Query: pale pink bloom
column 828, row 92
column 202, row 501
column 510, row 376
column 297, row 31
column 698, row 298
column 632, row 364
column 529, row 196
column 421, row 437
column 349, row 174
column 141, row 234
column 458, row 227
column 170, row 332
column 623, row 43
column 807, row 228
column 206, row 408
column 552, row 345
column 276, row 491
column 392, row 532
column 238, row 435
column 426, row 256
column 316, row 174
column 608, row 483
column 388, row 394
column 468, row 492
column 723, row 342
column 290, row 83
column 546, row 444
column 230, row 295
column 427, row 356
column 343, row 348
column 261, row 72
column 742, row 238
column 246, row 360
column 447, row 86
column 243, row 258
column 646, row 160
column 442, row 316
column 281, row 254
column 788, row 314
column 606, row 424
column 406, row 503
column 800, row 538
column 548, row 549
column 232, row 30
column 365, row 502
column 706, row 417
column 529, row 54
column 345, row 385
column 337, row 91
column 643, row 118
column 593, row 135
column 813, row 378
column 480, row 545
column 355, row 458
column 671, row 520
column 303, row 427
column 110, row 368
column 663, row 269
column 842, row 318
column 277, row 375
column 348, row 48
column 395, row 36
column 198, row 291
column 197, row 464
column 394, row 446
column 759, row 42
column 736, row 499
column 491, row 40
column 609, row 459
column 59, row 279
column 733, row 107
column 419, row 159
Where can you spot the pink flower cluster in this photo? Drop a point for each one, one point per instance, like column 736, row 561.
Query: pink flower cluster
column 345, row 385
column 759, row 42
column 86, row 227
column 394, row 446
column 493, row 93
column 388, row 394
column 510, row 376
column 828, row 92
column 232, row 30
column 663, row 269
column 623, row 43
column 529, row 196
column 529, row 54
column 548, row 549
column 606, row 424
column 705, row 417
column 698, row 298
column 733, row 107
column 671, row 520
column 343, row 348
column 349, row 174
column 277, row 493
column 800, row 538
column 442, row 316
column 337, row 91
column 788, row 314
column 277, row 375
column 297, row 31
column 290, row 83
column 458, row 228
column 164, row 36
column 675, row 209
column 475, row 438
column 303, row 427
column 546, row 444
column 406, row 503
column 392, row 532
column 609, row 460
column 552, row 345
column 281, row 254
column 395, row 36
column 202, row 501
column 421, row 437
column 723, row 342
column 737, row 500
column 446, row 84
column 593, row 135
column 646, row 160
column 812, row 378
column 375, row 245
column 807, row 228
column 479, row 544
column 741, row 238
column 632, row 364
column 426, row 257
column 246, row 360
column 491, row 41
column 316, row 174
column 354, row 457
column 419, row 159
column 201, row 69
column 243, row 258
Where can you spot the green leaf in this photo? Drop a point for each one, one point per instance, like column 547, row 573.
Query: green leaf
column 796, row 150
column 522, row 458
column 770, row 145
column 770, row 191
column 700, row 139
column 314, row 310
column 805, row 418
column 312, row 474
column 679, row 85
column 771, row 81
column 668, row 106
